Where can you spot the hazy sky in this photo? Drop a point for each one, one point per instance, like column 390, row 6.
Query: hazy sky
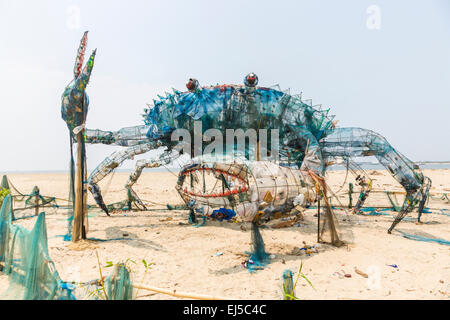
column 380, row 65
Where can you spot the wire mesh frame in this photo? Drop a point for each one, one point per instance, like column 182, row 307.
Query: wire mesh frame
column 297, row 183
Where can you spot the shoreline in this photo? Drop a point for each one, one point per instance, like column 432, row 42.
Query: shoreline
column 366, row 166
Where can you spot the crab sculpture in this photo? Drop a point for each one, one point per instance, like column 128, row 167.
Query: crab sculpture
column 308, row 138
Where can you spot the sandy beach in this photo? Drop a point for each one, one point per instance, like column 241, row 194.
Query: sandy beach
column 208, row 259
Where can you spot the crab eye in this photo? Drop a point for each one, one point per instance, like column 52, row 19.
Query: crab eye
column 192, row 85
column 251, row 80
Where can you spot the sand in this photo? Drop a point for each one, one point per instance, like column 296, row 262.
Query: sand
column 207, row 259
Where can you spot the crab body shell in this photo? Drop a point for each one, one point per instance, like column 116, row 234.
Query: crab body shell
column 239, row 107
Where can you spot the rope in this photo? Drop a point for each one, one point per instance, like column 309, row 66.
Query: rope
column 13, row 187
column 425, row 239
column 395, row 206
column 108, row 184
column 345, row 179
column 443, row 213
column 157, row 203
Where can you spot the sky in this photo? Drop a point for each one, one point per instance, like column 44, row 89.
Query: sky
column 380, row 65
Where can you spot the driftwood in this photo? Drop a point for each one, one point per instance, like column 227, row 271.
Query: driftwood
column 363, row 274
column 174, row 293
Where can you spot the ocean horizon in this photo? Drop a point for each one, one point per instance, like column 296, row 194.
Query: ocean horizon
column 363, row 165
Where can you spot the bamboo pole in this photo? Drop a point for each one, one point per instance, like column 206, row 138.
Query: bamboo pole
column 179, row 294
column 78, row 219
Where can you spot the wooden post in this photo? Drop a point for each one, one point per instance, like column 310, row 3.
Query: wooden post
column 78, row 219
column 84, row 230
column 350, row 195
column 36, row 200
column 258, row 151
column 318, row 221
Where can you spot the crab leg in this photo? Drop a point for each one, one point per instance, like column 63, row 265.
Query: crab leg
column 425, row 189
column 112, row 162
column 153, row 162
column 357, row 142
column 129, row 136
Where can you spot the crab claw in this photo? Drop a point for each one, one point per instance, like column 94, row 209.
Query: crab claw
column 80, row 56
column 75, row 101
column 83, row 78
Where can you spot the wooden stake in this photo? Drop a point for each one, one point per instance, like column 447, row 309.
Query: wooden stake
column 85, row 205
column 36, row 201
column 258, row 151
column 318, row 221
column 78, row 219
